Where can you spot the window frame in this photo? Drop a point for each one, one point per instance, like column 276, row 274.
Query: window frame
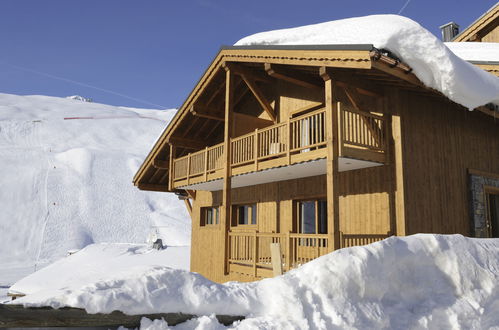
column 215, row 209
column 253, row 215
column 298, row 222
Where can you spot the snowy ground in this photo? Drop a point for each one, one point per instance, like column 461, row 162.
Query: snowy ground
column 96, row 262
column 416, row 282
column 67, row 169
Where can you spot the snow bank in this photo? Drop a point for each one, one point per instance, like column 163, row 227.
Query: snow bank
column 95, row 262
column 67, row 169
column 475, row 51
column 421, row 281
column 432, row 62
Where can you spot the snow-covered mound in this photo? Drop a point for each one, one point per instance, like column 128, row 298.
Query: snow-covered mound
column 66, row 180
column 421, row 281
column 95, row 262
column 432, row 62
column 475, row 51
column 79, row 98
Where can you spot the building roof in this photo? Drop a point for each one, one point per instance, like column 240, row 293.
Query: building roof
column 488, row 21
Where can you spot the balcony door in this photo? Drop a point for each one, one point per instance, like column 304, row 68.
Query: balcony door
column 493, row 214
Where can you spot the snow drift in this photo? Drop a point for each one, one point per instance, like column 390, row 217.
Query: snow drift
column 420, row 281
column 67, row 169
column 432, row 62
column 96, row 261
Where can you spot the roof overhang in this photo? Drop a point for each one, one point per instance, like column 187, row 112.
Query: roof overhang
column 361, row 58
column 486, row 22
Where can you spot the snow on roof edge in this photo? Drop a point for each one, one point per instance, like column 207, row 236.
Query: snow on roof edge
column 432, row 62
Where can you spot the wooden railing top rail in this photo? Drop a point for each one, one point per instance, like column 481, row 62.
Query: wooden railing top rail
column 192, row 154
column 362, row 113
column 307, row 115
column 320, row 236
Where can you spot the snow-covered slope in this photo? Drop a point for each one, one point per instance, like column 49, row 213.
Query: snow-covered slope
column 95, row 262
column 432, row 62
column 416, row 282
column 66, row 181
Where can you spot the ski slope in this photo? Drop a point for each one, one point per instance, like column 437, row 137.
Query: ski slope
column 66, row 182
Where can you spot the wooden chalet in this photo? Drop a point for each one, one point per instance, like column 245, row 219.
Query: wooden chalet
column 319, row 148
column 484, row 29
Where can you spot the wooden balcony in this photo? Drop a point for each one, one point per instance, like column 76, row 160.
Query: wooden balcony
column 249, row 252
column 362, row 135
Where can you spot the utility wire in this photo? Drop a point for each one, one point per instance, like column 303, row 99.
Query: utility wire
column 403, row 7
column 82, row 84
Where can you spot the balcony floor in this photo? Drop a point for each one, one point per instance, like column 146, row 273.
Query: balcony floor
column 295, row 171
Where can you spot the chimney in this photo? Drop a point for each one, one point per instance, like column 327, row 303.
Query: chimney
column 449, row 31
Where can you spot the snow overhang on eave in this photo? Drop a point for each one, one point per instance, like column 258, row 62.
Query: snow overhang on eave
column 354, row 56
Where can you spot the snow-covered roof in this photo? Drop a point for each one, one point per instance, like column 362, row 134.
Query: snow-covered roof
column 476, row 51
column 432, row 62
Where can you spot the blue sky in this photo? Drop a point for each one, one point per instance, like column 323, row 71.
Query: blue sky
column 150, row 53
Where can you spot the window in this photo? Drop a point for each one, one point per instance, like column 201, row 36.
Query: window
column 210, row 216
column 311, row 217
column 493, row 214
column 245, row 214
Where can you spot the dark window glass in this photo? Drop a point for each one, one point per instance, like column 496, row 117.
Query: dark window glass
column 312, row 217
column 307, row 215
column 494, row 215
column 210, row 216
column 322, row 214
column 246, row 214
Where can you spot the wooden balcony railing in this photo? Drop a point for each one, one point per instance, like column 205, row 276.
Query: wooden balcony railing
column 362, row 135
column 249, row 252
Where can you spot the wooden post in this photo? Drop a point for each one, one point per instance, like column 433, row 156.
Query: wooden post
column 400, row 224
column 188, row 166
column 255, row 149
column 276, row 257
column 171, row 170
column 333, row 210
column 255, row 252
column 226, row 195
column 206, row 164
column 288, row 254
column 288, row 149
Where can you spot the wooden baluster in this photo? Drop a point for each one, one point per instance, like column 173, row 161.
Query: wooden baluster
column 255, row 148
column 255, row 252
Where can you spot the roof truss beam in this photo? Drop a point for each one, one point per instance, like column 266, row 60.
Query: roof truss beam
column 249, row 79
column 280, row 72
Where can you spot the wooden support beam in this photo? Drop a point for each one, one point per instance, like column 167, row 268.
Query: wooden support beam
column 187, row 143
column 202, row 112
column 407, row 76
column 398, row 168
column 344, row 80
column 161, row 164
column 279, row 72
column 170, row 170
column 487, row 111
column 250, row 81
column 241, row 71
column 332, row 173
column 308, row 107
column 226, row 208
column 188, row 206
column 191, row 194
column 152, row 187
column 370, row 123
